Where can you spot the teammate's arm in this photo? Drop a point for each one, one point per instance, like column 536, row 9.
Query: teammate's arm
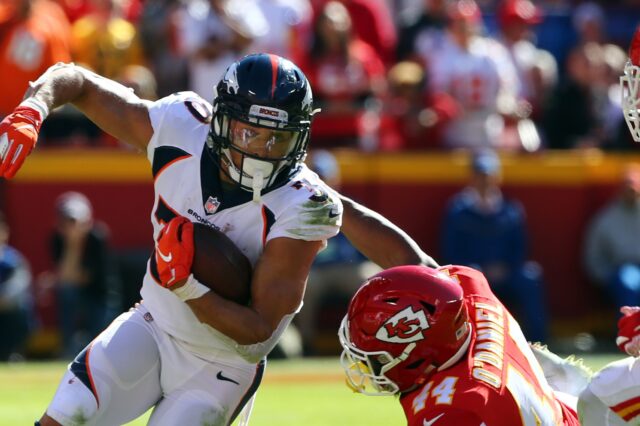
column 113, row 107
column 379, row 239
column 276, row 290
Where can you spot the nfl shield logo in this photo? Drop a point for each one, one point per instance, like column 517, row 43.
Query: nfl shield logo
column 211, row 205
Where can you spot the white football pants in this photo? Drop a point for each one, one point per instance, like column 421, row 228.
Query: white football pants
column 133, row 366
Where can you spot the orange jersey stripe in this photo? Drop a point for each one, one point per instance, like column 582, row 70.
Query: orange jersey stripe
column 264, row 225
column 274, row 73
column 163, row 168
column 93, row 385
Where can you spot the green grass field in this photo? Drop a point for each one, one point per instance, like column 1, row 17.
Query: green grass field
column 308, row 392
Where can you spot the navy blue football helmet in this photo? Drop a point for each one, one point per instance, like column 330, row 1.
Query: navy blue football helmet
column 262, row 112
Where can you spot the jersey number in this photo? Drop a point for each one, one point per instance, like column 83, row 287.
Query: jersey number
column 441, row 393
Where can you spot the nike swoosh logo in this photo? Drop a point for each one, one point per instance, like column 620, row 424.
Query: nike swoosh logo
column 334, row 213
column 167, row 258
column 219, row 376
column 432, row 421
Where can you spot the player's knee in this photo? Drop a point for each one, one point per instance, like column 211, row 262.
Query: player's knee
column 187, row 411
column 73, row 403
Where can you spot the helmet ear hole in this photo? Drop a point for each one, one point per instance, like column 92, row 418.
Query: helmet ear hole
column 415, row 364
column 428, row 307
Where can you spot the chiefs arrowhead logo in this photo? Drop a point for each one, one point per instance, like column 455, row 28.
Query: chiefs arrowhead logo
column 404, row 327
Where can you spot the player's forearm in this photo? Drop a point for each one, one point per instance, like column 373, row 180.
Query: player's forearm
column 59, row 85
column 379, row 239
column 243, row 324
column 111, row 106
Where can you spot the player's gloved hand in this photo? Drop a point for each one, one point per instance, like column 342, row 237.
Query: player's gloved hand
column 628, row 339
column 174, row 252
column 18, row 136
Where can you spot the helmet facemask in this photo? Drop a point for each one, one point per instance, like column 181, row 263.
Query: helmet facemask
column 366, row 370
column 271, row 97
column 403, row 325
column 254, row 149
column 630, row 84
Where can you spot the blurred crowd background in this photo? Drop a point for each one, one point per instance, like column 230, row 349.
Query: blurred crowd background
column 389, row 75
column 444, row 93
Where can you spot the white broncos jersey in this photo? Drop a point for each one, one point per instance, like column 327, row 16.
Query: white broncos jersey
column 186, row 182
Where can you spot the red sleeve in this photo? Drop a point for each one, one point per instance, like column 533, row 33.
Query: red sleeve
column 446, row 417
column 473, row 282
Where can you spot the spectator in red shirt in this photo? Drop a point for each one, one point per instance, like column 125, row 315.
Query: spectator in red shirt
column 347, row 76
column 373, row 24
column 35, row 35
column 412, row 117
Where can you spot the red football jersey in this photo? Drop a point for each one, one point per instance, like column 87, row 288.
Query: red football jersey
column 499, row 383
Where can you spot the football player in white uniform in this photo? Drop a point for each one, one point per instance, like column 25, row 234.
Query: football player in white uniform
column 237, row 166
column 611, row 397
column 613, row 394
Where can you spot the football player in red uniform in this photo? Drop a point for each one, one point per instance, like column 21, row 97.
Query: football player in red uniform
column 442, row 341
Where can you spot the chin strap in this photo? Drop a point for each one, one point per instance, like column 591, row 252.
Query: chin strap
column 256, row 184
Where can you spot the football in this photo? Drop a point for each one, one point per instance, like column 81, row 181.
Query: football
column 220, row 265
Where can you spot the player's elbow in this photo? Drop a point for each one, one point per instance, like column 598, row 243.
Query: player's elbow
column 252, row 350
column 257, row 334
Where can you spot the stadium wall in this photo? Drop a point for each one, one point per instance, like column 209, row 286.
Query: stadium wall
column 560, row 192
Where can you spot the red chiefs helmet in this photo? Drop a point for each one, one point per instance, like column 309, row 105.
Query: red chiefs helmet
column 402, row 325
column 630, row 82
